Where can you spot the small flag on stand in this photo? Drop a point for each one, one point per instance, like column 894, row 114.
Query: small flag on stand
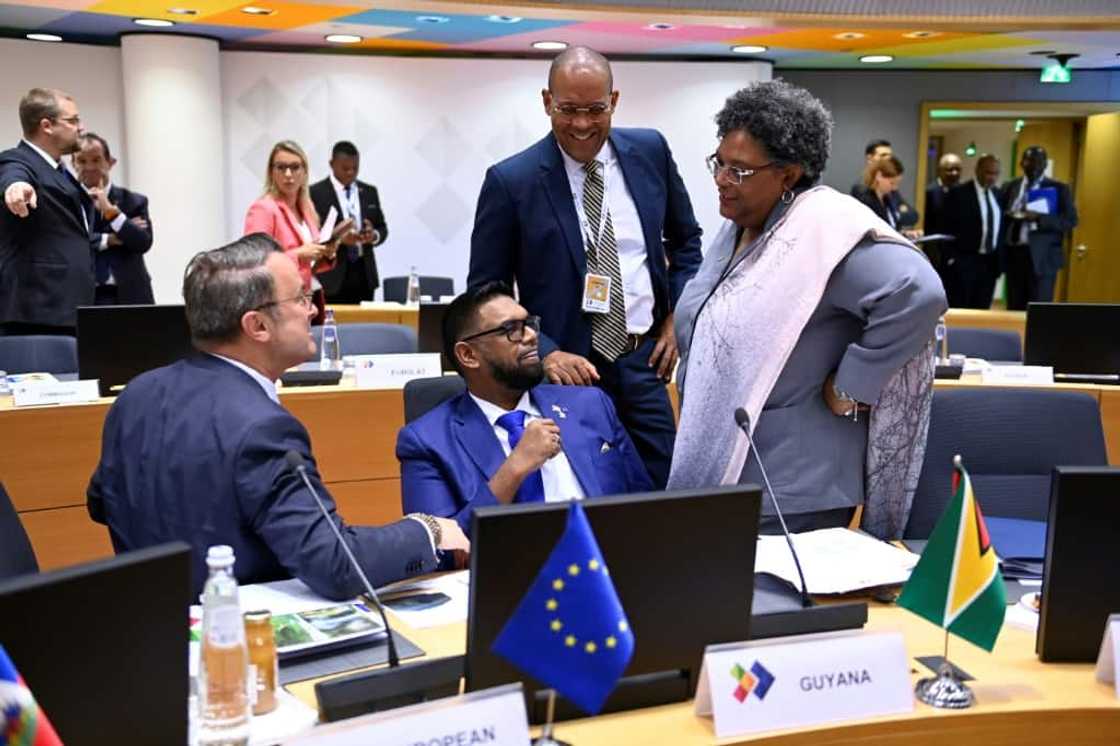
column 570, row 631
column 956, row 583
column 22, row 723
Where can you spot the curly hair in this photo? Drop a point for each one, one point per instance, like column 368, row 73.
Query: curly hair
column 789, row 122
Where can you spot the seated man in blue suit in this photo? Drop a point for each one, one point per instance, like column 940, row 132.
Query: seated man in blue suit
column 195, row 451
column 508, row 439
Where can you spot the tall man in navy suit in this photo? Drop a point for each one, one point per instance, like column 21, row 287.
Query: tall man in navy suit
column 45, row 263
column 596, row 228
column 509, row 438
column 196, row 451
column 122, row 229
column 973, row 215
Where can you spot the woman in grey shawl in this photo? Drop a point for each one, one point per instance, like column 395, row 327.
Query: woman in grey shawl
column 813, row 315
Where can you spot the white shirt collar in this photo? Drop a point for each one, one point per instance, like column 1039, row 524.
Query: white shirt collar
column 575, row 168
column 492, row 411
column 46, row 156
column 268, row 386
column 339, row 187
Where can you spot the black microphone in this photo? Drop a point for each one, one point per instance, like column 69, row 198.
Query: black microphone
column 297, row 465
column 743, row 420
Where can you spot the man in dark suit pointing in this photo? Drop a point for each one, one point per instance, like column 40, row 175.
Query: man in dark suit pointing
column 595, row 227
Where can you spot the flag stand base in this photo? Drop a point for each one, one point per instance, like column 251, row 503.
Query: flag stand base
column 944, row 691
column 545, row 738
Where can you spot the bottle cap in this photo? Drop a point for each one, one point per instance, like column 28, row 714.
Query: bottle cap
column 220, row 555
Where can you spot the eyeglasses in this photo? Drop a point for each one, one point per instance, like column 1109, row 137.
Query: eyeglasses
column 73, row 121
column 303, row 299
column 734, row 175
column 514, row 329
column 571, row 111
column 294, row 168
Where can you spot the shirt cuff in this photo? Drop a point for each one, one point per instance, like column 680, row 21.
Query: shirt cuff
column 118, row 222
column 104, row 242
column 428, row 531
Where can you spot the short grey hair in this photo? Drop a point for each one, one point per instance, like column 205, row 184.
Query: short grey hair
column 222, row 285
column 39, row 104
column 792, row 125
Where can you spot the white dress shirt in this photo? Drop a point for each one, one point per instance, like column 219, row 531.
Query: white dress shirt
column 115, row 224
column 989, row 213
column 560, row 482
column 633, row 259
column 54, row 166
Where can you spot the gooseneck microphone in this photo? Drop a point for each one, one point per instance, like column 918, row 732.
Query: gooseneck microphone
column 298, row 466
column 743, row 420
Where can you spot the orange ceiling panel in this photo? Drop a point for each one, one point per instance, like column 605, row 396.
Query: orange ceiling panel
column 846, row 39
column 287, row 16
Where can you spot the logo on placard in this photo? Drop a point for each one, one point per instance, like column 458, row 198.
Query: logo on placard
column 756, row 681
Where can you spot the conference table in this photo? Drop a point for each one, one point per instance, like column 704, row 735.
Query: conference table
column 1019, row 699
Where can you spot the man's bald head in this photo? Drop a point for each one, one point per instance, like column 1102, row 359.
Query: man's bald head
column 949, row 169
column 583, row 59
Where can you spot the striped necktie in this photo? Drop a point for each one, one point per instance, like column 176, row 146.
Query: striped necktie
column 353, row 253
column 608, row 330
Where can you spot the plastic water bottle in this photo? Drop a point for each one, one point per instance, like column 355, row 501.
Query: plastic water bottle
column 330, row 349
column 224, row 667
column 941, row 338
column 413, row 287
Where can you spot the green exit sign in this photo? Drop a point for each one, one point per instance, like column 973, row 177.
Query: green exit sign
column 1055, row 73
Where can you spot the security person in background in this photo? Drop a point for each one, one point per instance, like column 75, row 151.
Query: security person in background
column 972, row 214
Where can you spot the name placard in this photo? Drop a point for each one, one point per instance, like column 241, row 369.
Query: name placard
column 491, row 716
column 799, row 681
column 1108, row 662
column 394, row 371
column 36, row 393
column 1018, row 375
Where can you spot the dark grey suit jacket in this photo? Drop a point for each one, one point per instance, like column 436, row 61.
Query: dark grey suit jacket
column 324, row 196
column 1045, row 241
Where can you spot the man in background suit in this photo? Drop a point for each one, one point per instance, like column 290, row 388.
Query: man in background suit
column 596, row 228
column 196, row 451
column 354, row 277
column 972, row 214
column 948, row 176
column 509, row 438
column 45, row 263
column 122, row 230
column 1033, row 253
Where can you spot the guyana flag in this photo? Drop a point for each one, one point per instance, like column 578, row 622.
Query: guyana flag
column 956, row 583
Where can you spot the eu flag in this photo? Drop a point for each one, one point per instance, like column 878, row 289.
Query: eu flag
column 570, row 631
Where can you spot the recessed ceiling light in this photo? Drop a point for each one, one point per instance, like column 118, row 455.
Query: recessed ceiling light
column 921, row 34
column 432, row 19
column 876, row 59
column 504, row 19
column 660, row 27
column 550, row 46
column 749, row 49
column 182, row 11
column 253, row 10
column 153, row 22
column 342, row 38
column 849, row 36
column 44, row 37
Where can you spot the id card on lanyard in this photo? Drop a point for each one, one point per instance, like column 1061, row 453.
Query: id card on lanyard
column 596, row 287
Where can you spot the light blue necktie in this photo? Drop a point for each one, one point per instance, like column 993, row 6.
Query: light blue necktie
column 532, row 489
column 352, row 252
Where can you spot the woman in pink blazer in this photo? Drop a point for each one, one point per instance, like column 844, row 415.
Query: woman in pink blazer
column 286, row 213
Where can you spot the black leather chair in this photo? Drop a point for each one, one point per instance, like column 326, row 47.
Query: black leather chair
column 424, row 394
column 38, row 353
column 989, row 344
column 371, row 339
column 1010, row 440
column 16, row 555
column 396, row 288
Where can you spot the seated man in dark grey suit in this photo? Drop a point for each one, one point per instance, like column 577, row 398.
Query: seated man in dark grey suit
column 195, row 451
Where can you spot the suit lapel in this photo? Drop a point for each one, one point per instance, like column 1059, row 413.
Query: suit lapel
column 636, row 174
column 578, row 448
column 554, row 180
column 290, row 218
column 476, row 437
column 73, row 206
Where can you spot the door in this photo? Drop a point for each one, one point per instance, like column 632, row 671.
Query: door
column 1094, row 262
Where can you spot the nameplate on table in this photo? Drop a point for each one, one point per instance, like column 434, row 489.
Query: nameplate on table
column 805, row 680
column 491, row 716
column 1019, row 375
column 1108, row 662
column 394, row 371
column 37, row 393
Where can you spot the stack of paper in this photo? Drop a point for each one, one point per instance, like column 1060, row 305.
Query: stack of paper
column 835, row 560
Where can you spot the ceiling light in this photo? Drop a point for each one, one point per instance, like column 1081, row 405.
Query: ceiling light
column 970, row 149
column 432, row 19
column 44, row 37
column 876, row 59
column 550, row 46
column 849, row 36
column 182, row 11
column 660, row 27
column 342, row 38
column 921, row 34
column 504, row 19
column 153, row 22
column 749, row 49
column 253, row 10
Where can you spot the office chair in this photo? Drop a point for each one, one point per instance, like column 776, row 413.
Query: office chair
column 39, row 353
column 371, row 339
column 989, row 344
column 421, row 395
column 1009, row 440
column 396, row 288
column 16, row 555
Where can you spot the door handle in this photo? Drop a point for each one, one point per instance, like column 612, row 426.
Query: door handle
column 1080, row 250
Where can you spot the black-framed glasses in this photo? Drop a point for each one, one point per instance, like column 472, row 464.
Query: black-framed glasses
column 514, row 329
column 734, row 174
column 571, row 111
column 294, row 168
column 303, row 299
column 72, row 121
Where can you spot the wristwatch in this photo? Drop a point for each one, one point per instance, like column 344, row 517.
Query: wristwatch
column 844, row 396
column 432, row 524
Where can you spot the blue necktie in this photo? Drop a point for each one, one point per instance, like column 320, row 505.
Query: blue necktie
column 352, row 252
column 532, row 489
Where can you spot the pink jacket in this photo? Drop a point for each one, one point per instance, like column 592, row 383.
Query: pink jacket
column 274, row 217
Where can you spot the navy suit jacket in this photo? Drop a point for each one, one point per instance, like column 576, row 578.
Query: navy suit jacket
column 195, row 451
column 1046, row 240
column 449, row 455
column 126, row 261
column 526, row 229
column 46, row 270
